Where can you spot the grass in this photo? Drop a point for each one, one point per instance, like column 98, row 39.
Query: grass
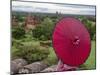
column 91, row 61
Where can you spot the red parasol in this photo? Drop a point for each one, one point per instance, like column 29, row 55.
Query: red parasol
column 71, row 41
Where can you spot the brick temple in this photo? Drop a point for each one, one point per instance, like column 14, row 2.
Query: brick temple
column 14, row 21
column 31, row 22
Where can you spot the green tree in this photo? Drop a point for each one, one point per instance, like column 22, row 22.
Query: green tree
column 44, row 30
column 90, row 25
column 18, row 33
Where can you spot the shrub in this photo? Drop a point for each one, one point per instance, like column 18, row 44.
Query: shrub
column 20, row 18
column 16, row 43
column 46, row 43
column 91, row 28
column 90, row 25
column 31, row 52
column 18, row 33
column 44, row 30
column 52, row 58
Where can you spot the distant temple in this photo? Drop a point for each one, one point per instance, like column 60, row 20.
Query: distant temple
column 31, row 22
column 14, row 21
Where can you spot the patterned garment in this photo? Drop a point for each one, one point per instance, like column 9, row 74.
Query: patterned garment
column 63, row 67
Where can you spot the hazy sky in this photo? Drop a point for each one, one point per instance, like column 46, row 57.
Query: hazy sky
column 52, row 8
column 86, row 2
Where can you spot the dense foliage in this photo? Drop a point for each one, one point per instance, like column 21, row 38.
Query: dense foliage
column 18, row 33
column 44, row 30
column 91, row 26
column 29, row 51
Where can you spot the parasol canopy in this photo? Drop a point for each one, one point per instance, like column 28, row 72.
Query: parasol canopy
column 71, row 41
